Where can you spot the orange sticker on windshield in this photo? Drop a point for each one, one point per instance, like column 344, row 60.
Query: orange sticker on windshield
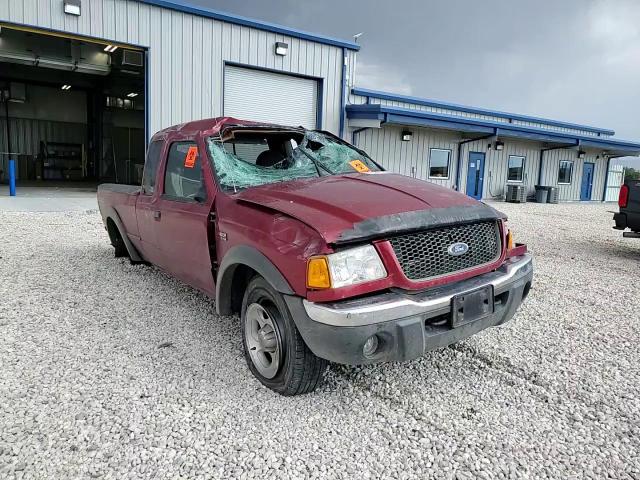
column 358, row 166
column 190, row 157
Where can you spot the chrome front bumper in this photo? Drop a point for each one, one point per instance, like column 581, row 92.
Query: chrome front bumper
column 407, row 324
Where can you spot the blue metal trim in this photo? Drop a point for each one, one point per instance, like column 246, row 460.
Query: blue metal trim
column 343, row 89
column 480, row 111
column 248, row 22
column 395, row 112
column 622, row 147
column 541, row 137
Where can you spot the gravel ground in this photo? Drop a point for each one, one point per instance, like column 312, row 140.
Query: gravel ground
column 109, row 370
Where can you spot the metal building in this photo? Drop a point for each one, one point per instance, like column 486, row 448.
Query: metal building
column 127, row 68
column 481, row 152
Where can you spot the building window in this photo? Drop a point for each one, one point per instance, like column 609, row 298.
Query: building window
column 183, row 175
column 439, row 163
column 565, row 172
column 516, row 168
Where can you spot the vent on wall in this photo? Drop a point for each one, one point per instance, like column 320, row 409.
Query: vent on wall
column 516, row 194
column 131, row 58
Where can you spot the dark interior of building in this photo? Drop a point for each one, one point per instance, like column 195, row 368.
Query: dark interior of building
column 71, row 111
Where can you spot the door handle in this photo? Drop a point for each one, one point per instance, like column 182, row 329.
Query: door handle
column 156, row 214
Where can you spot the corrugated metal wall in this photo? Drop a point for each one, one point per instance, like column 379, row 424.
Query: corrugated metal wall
column 571, row 192
column 496, row 165
column 385, row 145
column 187, row 53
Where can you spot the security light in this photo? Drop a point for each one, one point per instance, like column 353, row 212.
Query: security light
column 499, row 145
column 406, row 136
column 66, row 87
column 110, row 48
column 132, row 95
column 282, row 48
column 581, row 154
column 72, row 7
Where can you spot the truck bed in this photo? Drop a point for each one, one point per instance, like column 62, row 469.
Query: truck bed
column 122, row 199
column 629, row 216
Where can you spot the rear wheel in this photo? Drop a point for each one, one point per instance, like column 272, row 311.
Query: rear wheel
column 274, row 350
column 120, row 249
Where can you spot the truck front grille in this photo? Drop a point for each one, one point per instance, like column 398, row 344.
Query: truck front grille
column 425, row 255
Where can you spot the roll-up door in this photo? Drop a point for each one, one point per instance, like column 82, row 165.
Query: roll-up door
column 259, row 95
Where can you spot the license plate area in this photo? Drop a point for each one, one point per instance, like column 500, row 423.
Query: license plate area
column 471, row 306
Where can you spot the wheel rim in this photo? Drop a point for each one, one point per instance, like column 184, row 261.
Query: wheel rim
column 263, row 340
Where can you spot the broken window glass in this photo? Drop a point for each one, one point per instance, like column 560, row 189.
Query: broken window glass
column 255, row 158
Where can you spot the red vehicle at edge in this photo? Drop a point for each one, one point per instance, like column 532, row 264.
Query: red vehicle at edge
column 324, row 256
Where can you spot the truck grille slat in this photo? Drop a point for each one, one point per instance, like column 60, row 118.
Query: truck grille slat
column 425, row 255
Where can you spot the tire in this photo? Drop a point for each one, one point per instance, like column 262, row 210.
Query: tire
column 273, row 348
column 120, row 249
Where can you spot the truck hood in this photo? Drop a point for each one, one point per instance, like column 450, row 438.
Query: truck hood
column 355, row 207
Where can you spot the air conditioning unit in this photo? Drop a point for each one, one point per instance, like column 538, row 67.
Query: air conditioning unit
column 132, row 58
column 516, row 194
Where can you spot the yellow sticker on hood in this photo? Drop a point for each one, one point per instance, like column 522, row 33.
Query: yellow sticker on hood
column 359, row 166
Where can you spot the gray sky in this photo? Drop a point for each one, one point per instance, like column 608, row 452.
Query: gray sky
column 572, row 60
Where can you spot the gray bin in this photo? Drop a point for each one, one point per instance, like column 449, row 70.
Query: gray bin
column 553, row 195
column 542, row 193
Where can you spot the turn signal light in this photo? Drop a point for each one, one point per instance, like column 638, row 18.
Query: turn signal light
column 318, row 273
column 509, row 240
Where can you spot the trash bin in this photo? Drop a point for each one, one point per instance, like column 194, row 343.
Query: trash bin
column 552, row 197
column 542, row 193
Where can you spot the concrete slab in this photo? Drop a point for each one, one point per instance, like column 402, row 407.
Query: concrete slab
column 48, row 199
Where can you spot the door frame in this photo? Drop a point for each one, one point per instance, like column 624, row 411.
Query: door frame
column 484, row 162
column 593, row 171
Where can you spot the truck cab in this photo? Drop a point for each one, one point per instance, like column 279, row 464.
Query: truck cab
column 322, row 254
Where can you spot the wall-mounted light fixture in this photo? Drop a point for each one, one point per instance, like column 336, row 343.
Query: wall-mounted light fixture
column 132, row 95
column 581, row 154
column 282, row 48
column 72, row 7
column 110, row 48
column 406, row 136
column 65, row 87
column 499, row 145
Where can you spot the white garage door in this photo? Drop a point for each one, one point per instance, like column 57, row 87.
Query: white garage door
column 270, row 97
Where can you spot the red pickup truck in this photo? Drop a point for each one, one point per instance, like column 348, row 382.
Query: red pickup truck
column 323, row 254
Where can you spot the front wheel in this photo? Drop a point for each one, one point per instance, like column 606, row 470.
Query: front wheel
column 274, row 350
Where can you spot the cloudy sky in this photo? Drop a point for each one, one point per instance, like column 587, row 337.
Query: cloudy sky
column 573, row 60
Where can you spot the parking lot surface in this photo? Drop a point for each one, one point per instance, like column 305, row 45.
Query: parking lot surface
column 109, row 370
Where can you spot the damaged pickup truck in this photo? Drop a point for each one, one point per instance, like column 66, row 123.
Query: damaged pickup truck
column 324, row 256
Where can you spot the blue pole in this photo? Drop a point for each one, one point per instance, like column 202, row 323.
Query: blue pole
column 12, row 177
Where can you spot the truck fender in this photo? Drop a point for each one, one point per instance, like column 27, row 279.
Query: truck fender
column 113, row 215
column 254, row 259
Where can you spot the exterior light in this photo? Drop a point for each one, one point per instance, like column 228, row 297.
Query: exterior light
column 406, row 136
column 132, row 95
column 499, row 145
column 110, row 48
column 581, row 154
column 72, row 7
column 282, row 48
column 370, row 346
column 66, row 87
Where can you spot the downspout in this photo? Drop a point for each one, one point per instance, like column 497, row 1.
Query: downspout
column 353, row 134
column 342, row 92
column 459, row 159
column 606, row 179
column 542, row 157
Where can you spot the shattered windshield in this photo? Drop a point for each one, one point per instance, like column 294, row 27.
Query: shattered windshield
column 252, row 158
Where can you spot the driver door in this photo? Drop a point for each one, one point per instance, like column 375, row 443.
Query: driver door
column 184, row 228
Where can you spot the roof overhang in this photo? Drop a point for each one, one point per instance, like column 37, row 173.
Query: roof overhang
column 249, row 22
column 421, row 118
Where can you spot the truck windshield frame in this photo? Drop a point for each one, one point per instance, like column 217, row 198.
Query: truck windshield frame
column 251, row 156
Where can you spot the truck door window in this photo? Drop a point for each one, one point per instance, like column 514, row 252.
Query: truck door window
column 183, row 174
column 151, row 167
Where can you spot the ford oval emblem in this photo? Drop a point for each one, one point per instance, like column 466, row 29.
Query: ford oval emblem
column 457, row 249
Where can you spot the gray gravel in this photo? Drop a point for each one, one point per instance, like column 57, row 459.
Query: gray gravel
column 109, row 370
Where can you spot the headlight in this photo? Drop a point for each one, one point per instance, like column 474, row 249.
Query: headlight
column 348, row 267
